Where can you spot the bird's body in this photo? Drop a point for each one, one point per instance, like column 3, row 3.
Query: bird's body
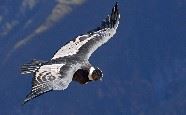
column 70, row 62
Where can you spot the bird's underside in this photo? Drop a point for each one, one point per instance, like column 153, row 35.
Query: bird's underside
column 70, row 62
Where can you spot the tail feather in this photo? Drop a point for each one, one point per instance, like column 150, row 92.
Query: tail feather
column 32, row 67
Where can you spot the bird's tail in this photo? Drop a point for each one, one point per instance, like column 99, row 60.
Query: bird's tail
column 31, row 67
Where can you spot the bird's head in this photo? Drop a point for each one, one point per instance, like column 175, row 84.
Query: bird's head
column 95, row 74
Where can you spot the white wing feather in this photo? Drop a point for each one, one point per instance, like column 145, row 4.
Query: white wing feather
column 83, row 46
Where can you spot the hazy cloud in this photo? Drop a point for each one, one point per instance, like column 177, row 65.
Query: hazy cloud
column 59, row 11
column 27, row 24
column 71, row 1
column 28, row 4
column 61, row 8
column 7, row 27
column 1, row 18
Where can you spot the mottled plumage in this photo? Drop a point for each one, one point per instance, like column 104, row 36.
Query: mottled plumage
column 70, row 62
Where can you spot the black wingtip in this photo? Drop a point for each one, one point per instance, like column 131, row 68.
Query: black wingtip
column 116, row 4
column 35, row 94
column 115, row 15
column 115, row 8
column 27, row 99
column 111, row 21
column 23, row 103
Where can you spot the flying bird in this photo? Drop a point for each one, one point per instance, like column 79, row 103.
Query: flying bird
column 71, row 62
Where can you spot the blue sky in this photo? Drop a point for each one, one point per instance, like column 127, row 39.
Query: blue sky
column 144, row 64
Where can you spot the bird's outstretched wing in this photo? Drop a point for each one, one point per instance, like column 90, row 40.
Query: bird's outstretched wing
column 48, row 78
column 83, row 46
